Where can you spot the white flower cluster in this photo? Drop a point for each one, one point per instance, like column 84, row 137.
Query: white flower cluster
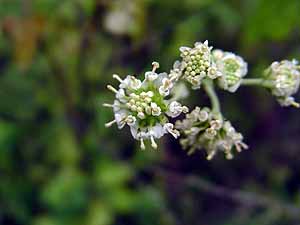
column 285, row 79
column 198, row 64
column 146, row 106
column 204, row 130
column 142, row 105
column 232, row 67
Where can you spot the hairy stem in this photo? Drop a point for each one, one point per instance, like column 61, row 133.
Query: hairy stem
column 257, row 82
column 210, row 90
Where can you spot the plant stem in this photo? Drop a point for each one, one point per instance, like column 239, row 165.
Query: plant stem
column 209, row 89
column 250, row 199
column 257, row 82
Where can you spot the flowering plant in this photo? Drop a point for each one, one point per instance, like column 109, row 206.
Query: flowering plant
column 146, row 106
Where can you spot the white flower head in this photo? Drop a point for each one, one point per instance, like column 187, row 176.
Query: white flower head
column 198, row 64
column 142, row 106
column 201, row 129
column 232, row 67
column 285, row 79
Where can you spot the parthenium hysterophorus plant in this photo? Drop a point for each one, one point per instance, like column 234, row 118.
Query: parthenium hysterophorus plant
column 146, row 106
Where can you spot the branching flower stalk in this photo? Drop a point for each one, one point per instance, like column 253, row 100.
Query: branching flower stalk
column 147, row 106
column 210, row 91
column 256, row 82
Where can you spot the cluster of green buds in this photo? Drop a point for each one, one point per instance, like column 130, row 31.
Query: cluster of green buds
column 147, row 106
column 203, row 129
column 284, row 81
column 232, row 67
column 198, row 64
column 142, row 105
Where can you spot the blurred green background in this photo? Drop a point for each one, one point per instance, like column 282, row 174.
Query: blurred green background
column 59, row 165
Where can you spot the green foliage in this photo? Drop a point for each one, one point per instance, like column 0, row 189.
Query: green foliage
column 265, row 20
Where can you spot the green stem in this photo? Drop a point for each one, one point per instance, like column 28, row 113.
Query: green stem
column 257, row 82
column 210, row 90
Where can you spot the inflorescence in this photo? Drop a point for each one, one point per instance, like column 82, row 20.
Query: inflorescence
column 203, row 129
column 143, row 106
column 147, row 106
column 284, row 78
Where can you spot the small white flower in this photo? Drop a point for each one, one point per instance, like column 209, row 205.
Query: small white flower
column 213, row 73
column 210, row 133
column 167, row 84
column 141, row 115
column 163, row 91
column 175, row 109
column 155, row 110
column 203, row 115
column 169, row 127
column 120, row 118
column 130, row 82
column 177, row 70
column 151, row 76
column 185, row 50
column 121, row 95
column 194, row 115
column 158, row 131
column 150, row 94
column 216, row 124
column 130, row 120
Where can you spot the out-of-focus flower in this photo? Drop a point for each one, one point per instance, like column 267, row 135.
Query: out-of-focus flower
column 202, row 129
column 232, row 67
column 285, row 80
column 142, row 105
column 124, row 17
column 198, row 64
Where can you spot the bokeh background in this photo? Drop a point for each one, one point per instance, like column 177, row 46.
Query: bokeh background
column 59, row 165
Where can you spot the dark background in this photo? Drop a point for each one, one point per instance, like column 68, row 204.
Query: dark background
column 59, row 165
